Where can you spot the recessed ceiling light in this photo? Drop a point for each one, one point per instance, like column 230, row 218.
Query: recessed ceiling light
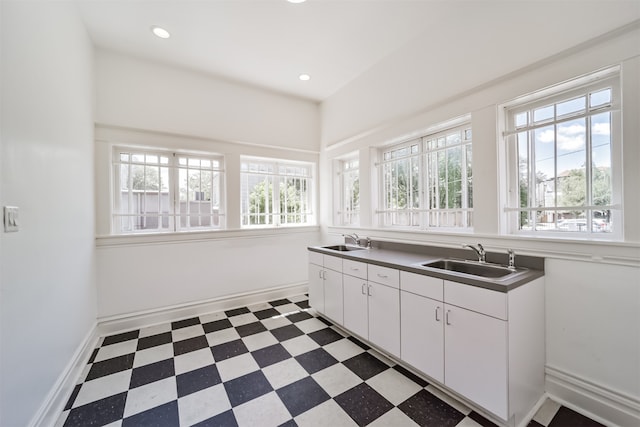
column 160, row 32
column 304, row 77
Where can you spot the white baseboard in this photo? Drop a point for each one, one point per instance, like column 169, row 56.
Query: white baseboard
column 593, row 400
column 131, row 321
column 54, row 403
column 57, row 398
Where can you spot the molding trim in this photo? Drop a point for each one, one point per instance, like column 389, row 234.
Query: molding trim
column 131, row 321
column 596, row 401
column 54, row 403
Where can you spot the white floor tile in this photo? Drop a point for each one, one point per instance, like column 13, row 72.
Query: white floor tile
column 468, row 422
column 265, row 411
column 193, row 360
column 259, row 307
column 395, row 417
column 343, row 349
column 284, row 373
column 299, row 345
column 223, row 336
column 258, row 341
column 243, row 319
column 393, row 386
column 336, row 379
column 203, row 405
column 186, row 333
column 288, row 308
column 328, row 413
column 275, row 322
column 212, row 317
column 103, row 387
column 546, row 412
column 237, row 366
column 298, row 298
column 310, row 325
column 155, row 330
column 153, row 354
column 150, row 395
column 115, row 350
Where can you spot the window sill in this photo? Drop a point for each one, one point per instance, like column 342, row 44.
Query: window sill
column 197, row 236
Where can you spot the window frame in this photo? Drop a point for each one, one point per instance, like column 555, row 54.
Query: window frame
column 346, row 214
column 419, row 150
column 564, row 92
column 276, row 215
column 173, row 213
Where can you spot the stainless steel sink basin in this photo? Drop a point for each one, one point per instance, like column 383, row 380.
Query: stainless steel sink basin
column 343, row 248
column 490, row 271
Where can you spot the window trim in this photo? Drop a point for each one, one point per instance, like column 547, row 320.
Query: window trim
column 339, row 188
column 565, row 91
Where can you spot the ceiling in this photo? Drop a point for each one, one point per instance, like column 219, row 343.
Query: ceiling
column 269, row 43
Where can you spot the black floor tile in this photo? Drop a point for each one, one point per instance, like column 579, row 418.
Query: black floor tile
column 154, row 341
column 316, row 360
column 237, row 311
column 413, row 377
column 197, row 380
column 189, row 345
column 286, row 332
column 185, row 323
column 297, row 317
column 365, row 365
column 427, row 410
column 359, row 343
column 93, row 355
column 568, row 417
column 73, row 396
column 481, row 420
column 225, row 419
column 325, row 336
column 216, row 325
column 250, row 329
column 114, row 339
column 270, row 355
column 110, row 366
column 325, row 321
column 152, row 372
column 363, row 404
column 161, row 416
column 98, row 413
column 302, row 395
column 290, row 423
column 533, row 423
column 279, row 302
column 303, row 304
column 247, row 387
column 229, row 349
column 265, row 314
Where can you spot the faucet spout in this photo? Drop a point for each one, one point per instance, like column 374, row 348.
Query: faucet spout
column 480, row 252
column 353, row 237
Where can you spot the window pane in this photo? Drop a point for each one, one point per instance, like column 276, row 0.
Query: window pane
column 544, row 143
column 521, row 119
column 601, row 161
column 571, row 165
column 600, row 98
column 571, row 107
column 544, row 113
column 137, row 158
column 523, row 166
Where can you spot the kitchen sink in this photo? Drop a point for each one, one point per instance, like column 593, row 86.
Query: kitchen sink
column 490, row 271
column 343, row 248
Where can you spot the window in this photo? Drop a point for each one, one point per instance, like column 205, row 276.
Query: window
column 427, row 182
column 164, row 192
column 349, row 181
column 561, row 152
column 276, row 193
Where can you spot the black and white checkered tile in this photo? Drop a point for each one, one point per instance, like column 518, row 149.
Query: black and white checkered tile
column 270, row 364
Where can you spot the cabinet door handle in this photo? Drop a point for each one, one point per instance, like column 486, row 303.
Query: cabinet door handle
column 383, row 276
column 369, row 290
column 447, row 317
column 362, row 288
column 355, row 269
column 320, row 274
column 437, row 314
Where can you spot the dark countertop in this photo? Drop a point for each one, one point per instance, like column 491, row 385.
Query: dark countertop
column 410, row 260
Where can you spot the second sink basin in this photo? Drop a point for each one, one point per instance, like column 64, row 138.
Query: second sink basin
column 490, row 271
column 343, row 248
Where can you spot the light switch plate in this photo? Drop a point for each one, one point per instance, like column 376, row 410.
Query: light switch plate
column 11, row 219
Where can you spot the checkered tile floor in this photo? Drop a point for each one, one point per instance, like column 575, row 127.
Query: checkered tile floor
column 269, row 364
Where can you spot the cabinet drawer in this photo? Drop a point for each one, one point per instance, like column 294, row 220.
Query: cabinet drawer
column 333, row 263
column 385, row 275
column 316, row 258
column 480, row 300
column 430, row 287
column 354, row 268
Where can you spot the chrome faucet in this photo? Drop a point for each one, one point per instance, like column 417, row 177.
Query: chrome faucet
column 512, row 260
column 482, row 255
column 353, row 237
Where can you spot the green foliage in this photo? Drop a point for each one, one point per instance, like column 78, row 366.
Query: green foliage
column 261, row 201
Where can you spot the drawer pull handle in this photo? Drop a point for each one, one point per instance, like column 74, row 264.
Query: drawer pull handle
column 383, row 276
column 369, row 290
column 437, row 314
column 355, row 269
column 448, row 315
column 363, row 291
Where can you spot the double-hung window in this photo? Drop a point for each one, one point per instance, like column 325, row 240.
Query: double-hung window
column 349, row 182
column 159, row 191
column 563, row 170
column 276, row 192
column 427, row 182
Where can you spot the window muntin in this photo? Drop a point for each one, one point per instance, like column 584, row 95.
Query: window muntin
column 349, row 178
column 428, row 183
column 276, row 193
column 561, row 150
column 157, row 191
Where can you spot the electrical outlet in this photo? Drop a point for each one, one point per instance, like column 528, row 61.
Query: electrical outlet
column 11, row 219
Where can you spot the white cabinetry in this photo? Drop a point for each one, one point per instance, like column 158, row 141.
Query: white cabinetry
column 325, row 285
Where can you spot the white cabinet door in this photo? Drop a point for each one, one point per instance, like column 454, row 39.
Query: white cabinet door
column 316, row 287
column 356, row 317
column 422, row 334
column 384, row 317
column 476, row 358
column 333, row 298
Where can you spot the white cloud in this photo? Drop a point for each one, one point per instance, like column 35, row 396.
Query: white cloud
column 572, row 137
column 601, row 129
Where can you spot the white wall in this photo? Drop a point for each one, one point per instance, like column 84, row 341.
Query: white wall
column 48, row 293
column 593, row 288
column 178, row 109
